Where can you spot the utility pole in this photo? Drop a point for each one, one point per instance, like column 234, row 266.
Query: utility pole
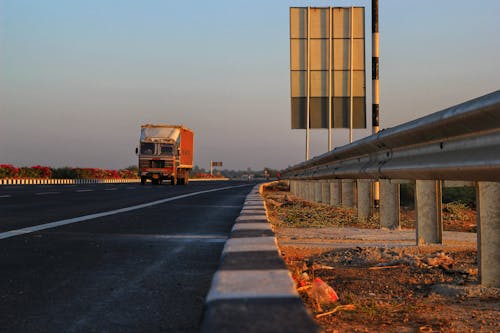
column 308, row 101
column 375, row 88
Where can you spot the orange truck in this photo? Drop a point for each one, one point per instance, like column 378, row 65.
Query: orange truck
column 165, row 154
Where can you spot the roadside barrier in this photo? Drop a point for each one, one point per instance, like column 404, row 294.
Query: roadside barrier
column 40, row 181
column 461, row 143
column 65, row 181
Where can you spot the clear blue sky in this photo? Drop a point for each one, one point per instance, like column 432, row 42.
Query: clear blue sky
column 79, row 77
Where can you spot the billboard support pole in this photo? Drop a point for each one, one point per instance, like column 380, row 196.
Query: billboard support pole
column 308, row 100
column 375, row 89
column 330, row 80
column 351, row 115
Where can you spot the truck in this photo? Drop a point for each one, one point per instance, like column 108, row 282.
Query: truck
column 165, row 154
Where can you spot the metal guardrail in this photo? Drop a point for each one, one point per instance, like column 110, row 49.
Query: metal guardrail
column 458, row 143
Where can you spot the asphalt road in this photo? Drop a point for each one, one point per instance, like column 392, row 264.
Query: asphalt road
column 146, row 268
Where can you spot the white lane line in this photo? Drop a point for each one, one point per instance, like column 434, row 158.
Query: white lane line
column 47, row 193
column 50, row 225
column 5, row 196
column 84, row 191
column 110, row 189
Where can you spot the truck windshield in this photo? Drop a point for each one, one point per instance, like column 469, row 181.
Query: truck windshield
column 166, row 149
column 147, row 148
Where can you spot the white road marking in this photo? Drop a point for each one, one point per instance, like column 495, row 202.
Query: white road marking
column 50, row 225
column 5, row 196
column 110, row 189
column 84, row 190
column 47, row 193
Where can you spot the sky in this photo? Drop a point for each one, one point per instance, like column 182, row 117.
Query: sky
column 79, row 77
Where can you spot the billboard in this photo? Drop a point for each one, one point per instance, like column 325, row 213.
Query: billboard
column 327, row 67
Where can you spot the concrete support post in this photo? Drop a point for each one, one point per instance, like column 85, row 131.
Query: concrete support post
column 299, row 188
column 488, row 236
column 325, row 192
column 389, row 204
column 347, row 193
column 317, row 191
column 292, row 187
column 335, row 193
column 364, row 198
column 305, row 190
column 428, row 208
column 310, row 194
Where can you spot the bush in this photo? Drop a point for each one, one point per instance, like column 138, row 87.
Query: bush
column 8, row 171
column 465, row 195
column 407, row 195
column 63, row 173
column 36, row 171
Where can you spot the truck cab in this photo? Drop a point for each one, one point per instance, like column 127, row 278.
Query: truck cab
column 165, row 154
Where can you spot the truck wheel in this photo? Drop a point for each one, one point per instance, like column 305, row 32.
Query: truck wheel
column 154, row 181
column 173, row 181
column 143, row 180
column 180, row 181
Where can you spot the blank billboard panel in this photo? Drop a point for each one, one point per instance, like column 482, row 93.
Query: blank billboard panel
column 299, row 111
column 299, row 83
column 340, row 113
column 320, row 65
column 298, row 54
column 319, row 116
column 341, row 57
column 320, row 22
column 319, row 84
column 341, row 86
column 341, row 22
column 319, row 112
column 298, row 22
column 319, row 54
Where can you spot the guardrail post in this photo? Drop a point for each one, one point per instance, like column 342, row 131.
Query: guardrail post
column 325, row 192
column 364, row 198
column 389, row 204
column 303, row 189
column 317, row 191
column 428, row 208
column 347, row 193
column 299, row 188
column 311, row 191
column 293, row 187
column 488, row 235
column 335, row 192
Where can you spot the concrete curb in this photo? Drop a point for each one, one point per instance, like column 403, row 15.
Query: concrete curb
column 253, row 291
column 40, row 181
column 44, row 181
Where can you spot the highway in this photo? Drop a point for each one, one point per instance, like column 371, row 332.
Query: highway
column 114, row 257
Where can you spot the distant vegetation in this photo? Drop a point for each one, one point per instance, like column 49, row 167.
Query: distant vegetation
column 465, row 195
column 45, row 172
column 235, row 174
column 38, row 171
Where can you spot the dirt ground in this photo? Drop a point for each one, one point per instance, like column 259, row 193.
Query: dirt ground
column 383, row 281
